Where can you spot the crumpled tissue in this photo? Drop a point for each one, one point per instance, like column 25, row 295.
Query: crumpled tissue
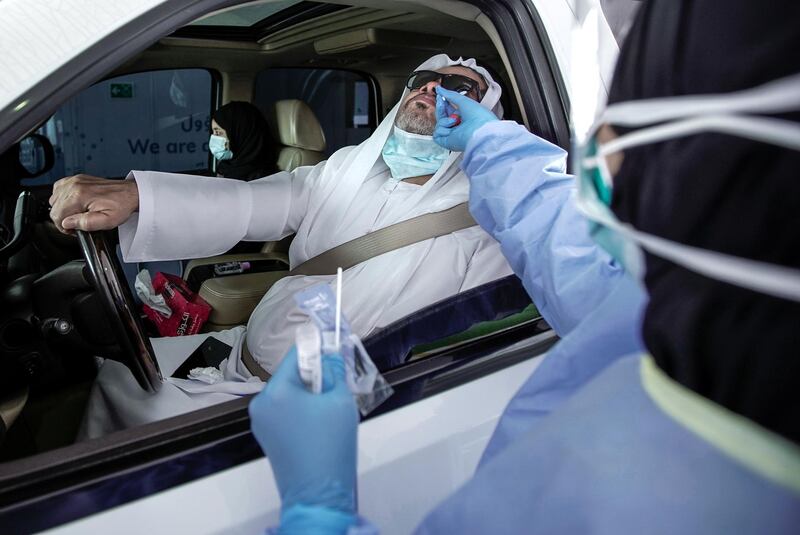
column 209, row 376
column 148, row 295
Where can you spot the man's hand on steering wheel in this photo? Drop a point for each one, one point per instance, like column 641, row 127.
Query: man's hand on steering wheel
column 91, row 204
column 84, row 202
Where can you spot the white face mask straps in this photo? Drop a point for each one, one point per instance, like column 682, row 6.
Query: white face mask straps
column 764, row 129
column 725, row 114
column 773, row 97
column 762, row 277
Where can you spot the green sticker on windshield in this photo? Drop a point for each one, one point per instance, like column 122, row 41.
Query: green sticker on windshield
column 122, row 90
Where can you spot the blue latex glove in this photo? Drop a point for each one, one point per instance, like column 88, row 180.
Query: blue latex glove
column 455, row 132
column 310, row 441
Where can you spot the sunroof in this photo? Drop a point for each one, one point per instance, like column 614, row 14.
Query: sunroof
column 245, row 16
column 252, row 21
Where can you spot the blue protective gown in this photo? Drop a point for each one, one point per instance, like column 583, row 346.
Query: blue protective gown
column 632, row 452
column 521, row 194
column 591, row 442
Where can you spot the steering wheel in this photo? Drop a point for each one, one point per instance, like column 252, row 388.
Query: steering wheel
column 23, row 223
column 107, row 278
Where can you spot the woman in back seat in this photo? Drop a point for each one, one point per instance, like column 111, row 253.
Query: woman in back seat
column 241, row 143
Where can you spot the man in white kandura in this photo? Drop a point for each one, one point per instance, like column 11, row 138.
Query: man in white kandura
column 396, row 174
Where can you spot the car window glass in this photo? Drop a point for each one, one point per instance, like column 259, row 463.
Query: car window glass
column 246, row 15
column 620, row 15
column 343, row 101
column 155, row 120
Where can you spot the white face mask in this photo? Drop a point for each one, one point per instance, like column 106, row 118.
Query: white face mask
column 409, row 155
column 679, row 117
column 218, row 146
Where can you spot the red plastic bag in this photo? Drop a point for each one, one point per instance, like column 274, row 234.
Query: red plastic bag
column 189, row 310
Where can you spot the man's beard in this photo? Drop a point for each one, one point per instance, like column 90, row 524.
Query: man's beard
column 413, row 118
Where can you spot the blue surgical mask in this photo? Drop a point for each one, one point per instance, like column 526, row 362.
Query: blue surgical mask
column 218, row 146
column 409, row 155
column 594, row 200
column 674, row 117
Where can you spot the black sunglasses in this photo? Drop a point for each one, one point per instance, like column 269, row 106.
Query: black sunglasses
column 453, row 82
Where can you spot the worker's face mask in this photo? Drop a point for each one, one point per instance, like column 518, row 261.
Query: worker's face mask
column 409, row 155
column 677, row 117
column 218, row 146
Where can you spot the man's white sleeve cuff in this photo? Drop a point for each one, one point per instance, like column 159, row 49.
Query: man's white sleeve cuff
column 136, row 233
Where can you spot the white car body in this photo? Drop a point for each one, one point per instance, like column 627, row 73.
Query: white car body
column 409, row 459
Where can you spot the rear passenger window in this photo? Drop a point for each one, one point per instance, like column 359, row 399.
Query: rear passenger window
column 157, row 120
column 343, row 101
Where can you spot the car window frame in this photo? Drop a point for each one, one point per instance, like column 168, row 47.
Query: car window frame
column 96, row 62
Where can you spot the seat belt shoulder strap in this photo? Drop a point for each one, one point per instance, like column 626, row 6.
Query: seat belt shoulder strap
column 408, row 232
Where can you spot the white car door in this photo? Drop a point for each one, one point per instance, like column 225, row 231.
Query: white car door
column 408, row 461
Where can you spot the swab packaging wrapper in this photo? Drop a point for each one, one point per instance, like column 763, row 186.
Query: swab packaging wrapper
column 365, row 382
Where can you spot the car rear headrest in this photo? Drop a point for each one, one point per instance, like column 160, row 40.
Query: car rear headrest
column 298, row 126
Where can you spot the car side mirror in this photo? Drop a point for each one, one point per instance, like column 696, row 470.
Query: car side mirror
column 36, row 156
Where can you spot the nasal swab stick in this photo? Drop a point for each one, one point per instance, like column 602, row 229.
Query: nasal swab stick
column 338, row 308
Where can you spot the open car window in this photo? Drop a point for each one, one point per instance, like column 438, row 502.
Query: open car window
column 159, row 120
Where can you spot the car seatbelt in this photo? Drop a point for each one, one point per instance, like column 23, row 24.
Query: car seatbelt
column 252, row 364
column 408, row 232
column 355, row 251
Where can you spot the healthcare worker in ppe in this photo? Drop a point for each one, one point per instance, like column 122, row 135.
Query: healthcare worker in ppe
column 690, row 180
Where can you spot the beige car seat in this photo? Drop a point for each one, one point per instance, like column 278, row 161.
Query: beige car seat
column 302, row 141
column 300, row 134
